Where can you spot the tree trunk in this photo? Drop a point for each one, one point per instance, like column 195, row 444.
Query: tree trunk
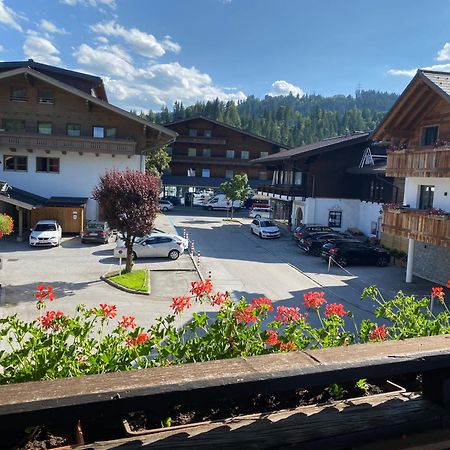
column 129, row 260
column 232, row 208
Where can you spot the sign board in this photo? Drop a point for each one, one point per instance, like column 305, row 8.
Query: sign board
column 120, row 252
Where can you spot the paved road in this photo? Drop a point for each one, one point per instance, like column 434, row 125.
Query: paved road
column 253, row 267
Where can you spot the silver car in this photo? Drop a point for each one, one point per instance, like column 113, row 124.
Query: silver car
column 159, row 246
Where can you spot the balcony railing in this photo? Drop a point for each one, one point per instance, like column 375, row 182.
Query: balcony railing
column 287, row 190
column 202, row 140
column 430, row 162
column 418, row 225
column 211, row 160
column 67, row 143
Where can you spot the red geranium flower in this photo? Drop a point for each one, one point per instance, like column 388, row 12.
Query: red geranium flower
column 314, row 299
column 127, row 322
column 140, row 339
column 245, row 315
column 287, row 314
column 219, row 298
column 288, row 346
column 180, row 303
column 272, row 337
column 200, row 288
column 378, row 334
column 43, row 293
column 437, row 292
column 335, row 309
column 263, row 303
column 109, row 311
column 48, row 319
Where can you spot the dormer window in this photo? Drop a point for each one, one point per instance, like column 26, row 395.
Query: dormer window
column 430, row 135
column 192, row 132
column 19, row 94
column 207, row 133
column 45, row 96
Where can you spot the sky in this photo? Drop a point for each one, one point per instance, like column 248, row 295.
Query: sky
column 152, row 53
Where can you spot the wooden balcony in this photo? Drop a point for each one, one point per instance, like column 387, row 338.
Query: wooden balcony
column 49, row 142
column 429, row 162
column 418, row 225
column 203, row 140
column 287, row 190
column 212, row 161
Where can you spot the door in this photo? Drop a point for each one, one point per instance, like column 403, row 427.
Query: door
column 426, row 197
column 146, row 248
column 163, row 245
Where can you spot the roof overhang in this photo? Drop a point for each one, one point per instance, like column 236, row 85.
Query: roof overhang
column 20, row 198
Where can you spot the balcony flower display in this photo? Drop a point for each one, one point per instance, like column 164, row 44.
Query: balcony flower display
column 393, row 207
column 438, row 212
column 395, row 148
column 441, row 143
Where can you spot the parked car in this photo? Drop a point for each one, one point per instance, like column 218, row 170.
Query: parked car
column 348, row 251
column 264, row 228
column 312, row 243
column 219, row 201
column 155, row 232
column 46, row 233
column 306, row 228
column 165, row 205
column 176, row 201
column 257, row 213
column 159, row 245
column 96, row 231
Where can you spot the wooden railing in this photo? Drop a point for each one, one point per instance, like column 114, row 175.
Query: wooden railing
column 67, row 143
column 103, row 400
column 203, row 140
column 418, row 225
column 287, row 190
column 431, row 162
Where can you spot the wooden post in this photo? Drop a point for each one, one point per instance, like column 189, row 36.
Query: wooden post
column 20, row 226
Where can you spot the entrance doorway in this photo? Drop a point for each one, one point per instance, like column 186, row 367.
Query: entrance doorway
column 299, row 216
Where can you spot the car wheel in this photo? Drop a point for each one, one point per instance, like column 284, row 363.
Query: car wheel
column 382, row 261
column 164, row 209
column 174, row 254
column 251, row 230
column 260, row 235
column 342, row 261
column 105, row 242
column 133, row 256
column 257, row 216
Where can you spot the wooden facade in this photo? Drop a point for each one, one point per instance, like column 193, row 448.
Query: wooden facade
column 70, row 218
column 213, row 144
column 418, row 225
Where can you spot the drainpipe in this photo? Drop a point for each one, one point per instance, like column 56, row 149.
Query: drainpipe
column 409, row 264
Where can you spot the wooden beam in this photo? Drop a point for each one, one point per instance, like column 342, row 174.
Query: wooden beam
column 398, row 132
column 433, row 99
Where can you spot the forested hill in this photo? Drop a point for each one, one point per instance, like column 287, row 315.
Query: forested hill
column 291, row 120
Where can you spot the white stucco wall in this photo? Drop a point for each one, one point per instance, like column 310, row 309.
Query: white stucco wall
column 355, row 213
column 77, row 176
column 441, row 191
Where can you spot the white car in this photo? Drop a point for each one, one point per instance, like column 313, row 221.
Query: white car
column 155, row 232
column 46, row 232
column 257, row 213
column 159, row 245
column 264, row 228
column 165, row 205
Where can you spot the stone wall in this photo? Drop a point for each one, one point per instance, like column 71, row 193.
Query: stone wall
column 432, row 262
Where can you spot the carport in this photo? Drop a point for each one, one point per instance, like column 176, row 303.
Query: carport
column 19, row 204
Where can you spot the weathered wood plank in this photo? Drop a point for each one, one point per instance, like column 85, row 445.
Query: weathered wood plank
column 303, row 425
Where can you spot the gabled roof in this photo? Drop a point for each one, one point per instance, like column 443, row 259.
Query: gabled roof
column 225, row 125
column 418, row 93
column 71, row 77
column 325, row 145
column 170, row 135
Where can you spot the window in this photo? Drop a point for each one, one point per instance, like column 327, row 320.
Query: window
column 19, row 94
column 264, row 154
column 47, row 164
column 192, row 132
column 74, row 129
column 98, row 132
column 206, row 173
column 230, row 153
column 426, row 197
column 44, row 127
column 192, row 152
column 207, row 133
column 263, row 175
column 45, row 95
column 245, row 154
column 191, row 172
column 13, row 125
column 207, row 152
column 111, row 132
column 298, row 178
column 229, row 174
column 335, row 219
column 14, row 162
column 429, row 135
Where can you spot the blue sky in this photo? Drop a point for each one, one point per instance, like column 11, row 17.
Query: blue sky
column 153, row 52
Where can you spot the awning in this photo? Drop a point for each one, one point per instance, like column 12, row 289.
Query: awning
column 23, row 199
column 204, row 182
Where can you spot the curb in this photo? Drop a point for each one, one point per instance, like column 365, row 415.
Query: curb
column 234, row 221
column 107, row 280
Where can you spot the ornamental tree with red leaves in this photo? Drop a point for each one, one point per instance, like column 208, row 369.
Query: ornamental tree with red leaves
column 130, row 201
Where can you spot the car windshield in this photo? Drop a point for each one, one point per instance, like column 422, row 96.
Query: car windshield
column 95, row 226
column 45, row 227
column 267, row 223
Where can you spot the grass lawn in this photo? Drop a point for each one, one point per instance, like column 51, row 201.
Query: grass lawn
column 136, row 280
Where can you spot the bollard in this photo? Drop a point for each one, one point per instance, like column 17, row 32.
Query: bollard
column 198, row 258
column 329, row 263
column 209, row 274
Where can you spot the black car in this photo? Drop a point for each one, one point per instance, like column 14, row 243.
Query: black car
column 308, row 228
column 312, row 243
column 347, row 251
column 96, row 231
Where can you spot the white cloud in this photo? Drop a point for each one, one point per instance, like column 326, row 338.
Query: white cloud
column 2, row 48
column 9, row 17
column 95, row 3
column 411, row 72
column 143, row 43
column 444, row 53
column 40, row 49
column 101, row 39
column 50, row 27
column 281, row 87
